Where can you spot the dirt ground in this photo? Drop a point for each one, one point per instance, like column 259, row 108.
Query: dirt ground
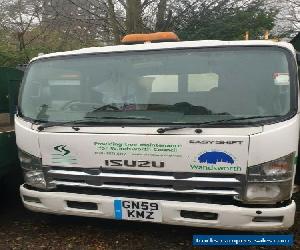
column 22, row 229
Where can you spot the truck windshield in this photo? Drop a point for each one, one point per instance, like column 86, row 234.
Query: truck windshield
column 186, row 86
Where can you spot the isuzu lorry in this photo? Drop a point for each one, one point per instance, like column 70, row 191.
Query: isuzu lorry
column 201, row 133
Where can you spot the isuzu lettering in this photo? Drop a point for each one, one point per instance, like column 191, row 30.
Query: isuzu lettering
column 201, row 133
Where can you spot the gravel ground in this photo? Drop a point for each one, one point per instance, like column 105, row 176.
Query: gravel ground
column 22, row 229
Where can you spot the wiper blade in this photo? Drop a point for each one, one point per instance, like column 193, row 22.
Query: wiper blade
column 89, row 120
column 42, row 126
column 242, row 119
column 163, row 130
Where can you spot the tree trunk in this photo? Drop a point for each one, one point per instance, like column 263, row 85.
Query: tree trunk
column 21, row 41
column 160, row 16
column 134, row 20
column 114, row 22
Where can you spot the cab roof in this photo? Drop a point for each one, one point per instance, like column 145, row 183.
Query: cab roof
column 168, row 45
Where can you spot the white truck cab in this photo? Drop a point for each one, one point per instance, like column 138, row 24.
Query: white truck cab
column 201, row 133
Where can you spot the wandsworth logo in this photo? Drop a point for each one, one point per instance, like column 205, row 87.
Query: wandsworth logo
column 214, row 157
column 215, row 161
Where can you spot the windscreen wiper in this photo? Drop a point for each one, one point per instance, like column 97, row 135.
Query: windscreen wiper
column 44, row 125
column 88, row 120
column 199, row 131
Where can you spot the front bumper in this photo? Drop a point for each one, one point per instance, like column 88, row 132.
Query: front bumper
column 229, row 216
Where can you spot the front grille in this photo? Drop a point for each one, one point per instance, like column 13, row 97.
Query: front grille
column 145, row 181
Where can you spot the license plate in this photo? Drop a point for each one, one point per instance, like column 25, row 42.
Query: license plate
column 140, row 210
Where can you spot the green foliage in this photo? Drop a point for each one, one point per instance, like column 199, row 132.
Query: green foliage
column 11, row 58
column 38, row 42
column 226, row 22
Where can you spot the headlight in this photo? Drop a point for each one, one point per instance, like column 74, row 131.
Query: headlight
column 268, row 193
column 29, row 162
column 277, row 170
column 270, row 182
column 33, row 171
column 35, row 179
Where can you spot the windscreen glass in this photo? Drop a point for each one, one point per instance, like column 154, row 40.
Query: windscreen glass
column 161, row 87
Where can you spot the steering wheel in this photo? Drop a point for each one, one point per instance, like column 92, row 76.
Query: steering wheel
column 107, row 107
column 69, row 104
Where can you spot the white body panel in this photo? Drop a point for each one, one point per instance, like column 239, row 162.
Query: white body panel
column 229, row 216
column 274, row 140
column 169, row 45
column 277, row 140
column 26, row 137
column 176, row 151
